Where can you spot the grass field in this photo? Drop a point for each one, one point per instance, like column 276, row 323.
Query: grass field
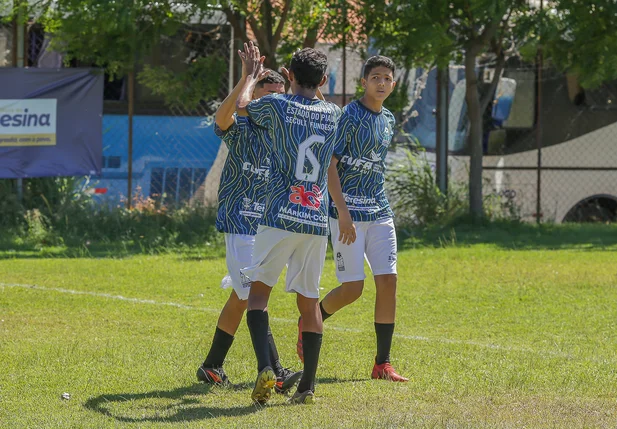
column 495, row 329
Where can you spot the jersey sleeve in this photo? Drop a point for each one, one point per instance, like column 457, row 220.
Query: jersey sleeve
column 260, row 111
column 231, row 135
column 344, row 132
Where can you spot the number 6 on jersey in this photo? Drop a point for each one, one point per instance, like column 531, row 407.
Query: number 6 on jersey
column 305, row 153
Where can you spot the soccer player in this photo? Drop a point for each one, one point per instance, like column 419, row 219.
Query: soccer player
column 241, row 206
column 364, row 134
column 294, row 228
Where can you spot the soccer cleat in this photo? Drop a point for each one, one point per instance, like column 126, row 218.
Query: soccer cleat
column 386, row 372
column 286, row 380
column 215, row 376
column 299, row 348
column 263, row 385
column 306, row 397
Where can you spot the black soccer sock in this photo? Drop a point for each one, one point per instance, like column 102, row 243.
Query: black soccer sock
column 257, row 321
column 324, row 313
column 274, row 355
column 218, row 350
column 312, row 345
column 384, row 333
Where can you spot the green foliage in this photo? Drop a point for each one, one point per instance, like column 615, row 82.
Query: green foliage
column 414, row 195
column 58, row 211
column 115, row 34
column 580, row 38
column 201, row 81
column 418, row 202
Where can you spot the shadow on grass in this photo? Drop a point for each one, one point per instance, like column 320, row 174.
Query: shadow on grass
column 185, row 406
column 327, row 380
column 514, row 236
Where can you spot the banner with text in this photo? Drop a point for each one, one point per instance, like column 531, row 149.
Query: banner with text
column 50, row 122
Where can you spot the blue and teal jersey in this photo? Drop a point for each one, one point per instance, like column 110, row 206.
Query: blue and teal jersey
column 243, row 179
column 302, row 132
column 362, row 142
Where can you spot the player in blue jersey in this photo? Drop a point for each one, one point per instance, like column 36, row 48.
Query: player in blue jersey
column 241, row 206
column 364, row 134
column 294, row 228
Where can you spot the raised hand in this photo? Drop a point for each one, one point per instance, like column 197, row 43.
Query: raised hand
column 252, row 62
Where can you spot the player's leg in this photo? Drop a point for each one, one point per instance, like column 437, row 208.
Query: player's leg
column 303, row 276
column 211, row 370
column 269, row 258
column 239, row 249
column 381, row 253
column 349, row 262
column 257, row 320
column 286, row 378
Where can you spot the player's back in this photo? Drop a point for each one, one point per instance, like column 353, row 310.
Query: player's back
column 302, row 132
column 242, row 191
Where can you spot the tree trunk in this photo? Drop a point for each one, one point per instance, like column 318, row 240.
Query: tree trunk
column 475, row 135
column 208, row 192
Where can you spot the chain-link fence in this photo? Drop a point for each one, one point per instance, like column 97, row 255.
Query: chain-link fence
column 548, row 144
column 6, row 45
column 174, row 145
column 549, row 150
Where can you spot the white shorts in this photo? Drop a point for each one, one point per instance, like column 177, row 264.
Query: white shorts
column 375, row 241
column 238, row 253
column 304, row 255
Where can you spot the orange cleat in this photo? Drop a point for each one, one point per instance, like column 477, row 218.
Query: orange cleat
column 386, row 372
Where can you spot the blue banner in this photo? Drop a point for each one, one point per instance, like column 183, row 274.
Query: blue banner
column 50, row 122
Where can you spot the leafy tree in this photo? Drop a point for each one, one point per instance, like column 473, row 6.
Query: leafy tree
column 436, row 32
column 281, row 27
column 575, row 36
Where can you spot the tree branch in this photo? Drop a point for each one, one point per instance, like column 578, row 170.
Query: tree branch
column 262, row 38
column 281, row 23
column 489, row 32
column 235, row 23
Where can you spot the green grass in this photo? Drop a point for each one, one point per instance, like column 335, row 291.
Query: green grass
column 490, row 337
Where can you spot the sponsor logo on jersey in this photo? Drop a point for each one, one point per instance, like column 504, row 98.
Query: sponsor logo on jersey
column 263, row 172
column 387, row 137
column 365, row 164
column 252, row 208
column 309, row 199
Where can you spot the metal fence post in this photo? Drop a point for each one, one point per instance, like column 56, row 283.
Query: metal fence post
column 19, row 60
column 442, row 131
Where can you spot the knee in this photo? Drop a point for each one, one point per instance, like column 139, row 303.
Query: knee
column 353, row 290
column 386, row 283
column 258, row 296
column 238, row 305
column 308, row 307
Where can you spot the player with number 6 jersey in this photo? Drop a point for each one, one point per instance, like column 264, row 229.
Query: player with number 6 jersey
column 302, row 135
column 294, row 228
column 241, row 202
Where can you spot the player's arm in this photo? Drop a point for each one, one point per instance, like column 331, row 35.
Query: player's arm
column 255, row 73
column 224, row 116
column 347, row 229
